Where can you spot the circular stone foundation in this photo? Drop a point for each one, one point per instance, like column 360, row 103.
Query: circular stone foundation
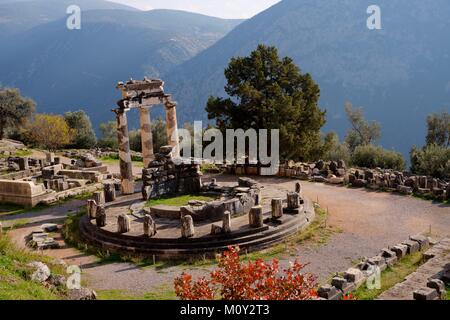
column 168, row 241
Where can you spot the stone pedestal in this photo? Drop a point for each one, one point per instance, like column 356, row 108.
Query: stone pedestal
column 172, row 129
column 99, row 198
column 277, row 208
column 149, row 226
column 256, row 217
column 123, row 223
column 146, row 136
column 226, row 225
column 100, row 218
column 187, row 227
column 110, row 192
column 126, row 166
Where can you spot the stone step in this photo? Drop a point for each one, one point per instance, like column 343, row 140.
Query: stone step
column 145, row 246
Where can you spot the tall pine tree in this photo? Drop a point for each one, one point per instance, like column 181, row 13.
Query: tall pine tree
column 267, row 92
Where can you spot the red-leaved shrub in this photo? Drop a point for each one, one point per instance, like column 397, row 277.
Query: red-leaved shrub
column 234, row 280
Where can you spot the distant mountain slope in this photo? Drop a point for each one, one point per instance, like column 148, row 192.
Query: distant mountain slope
column 399, row 74
column 63, row 69
column 18, row 16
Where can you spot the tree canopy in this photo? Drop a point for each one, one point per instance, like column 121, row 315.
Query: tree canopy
column 267, row 92
column 14, row 109
column 50, row 132
column 439, row 129
column 362, row 132
column 83, row 134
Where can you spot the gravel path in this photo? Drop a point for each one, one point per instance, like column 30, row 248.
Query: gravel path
column 368, row 221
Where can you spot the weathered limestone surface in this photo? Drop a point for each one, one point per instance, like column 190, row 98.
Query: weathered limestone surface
column 424, row 283
column 293, row 200
column 146, row 135
column 163, row 176
column 277, row 208
column 91, row 208
column 100, row 217
column 123, row 223
column 149, row 226
column 99, row 197
column 24, row 193
column 329, row 292
column 226, row 226
column 256, row 219
column 126, row 166
column 110, row 192
column 172, row 128
column 187, row 227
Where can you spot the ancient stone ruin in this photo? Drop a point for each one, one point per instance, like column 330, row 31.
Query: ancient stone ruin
column 337, row 172
column 163, row 176
column 142, row 94
column 30, row 181
column 236, row 216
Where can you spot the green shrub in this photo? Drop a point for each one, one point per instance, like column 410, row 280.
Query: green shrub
column 370, row 156
column 338, row 152
column 433, row 160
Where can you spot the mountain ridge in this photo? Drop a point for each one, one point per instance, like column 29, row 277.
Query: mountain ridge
column 398, row 73
column 70, row 69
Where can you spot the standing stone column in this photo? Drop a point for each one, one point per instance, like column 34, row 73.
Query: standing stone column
column 110, row 192
column 293, row 200
column 146, row 136
column 256, row 219
column 149, row 226
column 226, row 222
column 123, row 223
column 100, row 218
column 99, row 198
column 187, row 227
column 277, row 208
column 172, row 128
column 126, row 166
column 91, row 209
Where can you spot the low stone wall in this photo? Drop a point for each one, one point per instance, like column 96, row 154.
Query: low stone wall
column 21, row 174
column 336, row 172
column 23, row 193
column 166, row 177
column 369, row 270
column 91, row 176
column 236, row 200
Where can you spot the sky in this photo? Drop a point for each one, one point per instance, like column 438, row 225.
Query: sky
column 228, row 9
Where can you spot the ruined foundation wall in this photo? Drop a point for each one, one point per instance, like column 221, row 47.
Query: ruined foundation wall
column 23, row 193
